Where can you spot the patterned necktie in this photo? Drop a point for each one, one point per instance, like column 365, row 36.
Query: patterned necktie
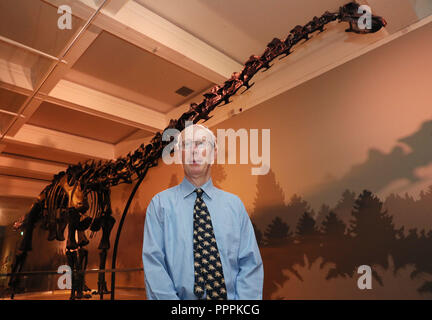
column 207, row 264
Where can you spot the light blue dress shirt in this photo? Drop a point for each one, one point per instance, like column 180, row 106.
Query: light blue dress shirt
column 168, row 244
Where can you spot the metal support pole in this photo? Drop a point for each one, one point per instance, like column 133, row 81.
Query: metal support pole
column 119, row 229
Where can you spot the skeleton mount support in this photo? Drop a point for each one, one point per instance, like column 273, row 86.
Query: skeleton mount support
column 79, row 198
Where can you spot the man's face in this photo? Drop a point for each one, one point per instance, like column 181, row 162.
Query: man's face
column 197, row 152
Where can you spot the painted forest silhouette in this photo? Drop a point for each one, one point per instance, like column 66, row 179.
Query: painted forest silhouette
column 360, row 229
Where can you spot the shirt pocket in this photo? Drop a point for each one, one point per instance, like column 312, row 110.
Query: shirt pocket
column 230, row 240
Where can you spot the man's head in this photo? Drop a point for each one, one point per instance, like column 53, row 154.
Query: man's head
column 197, row 145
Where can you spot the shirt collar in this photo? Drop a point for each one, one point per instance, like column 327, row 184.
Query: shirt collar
column 187, row 188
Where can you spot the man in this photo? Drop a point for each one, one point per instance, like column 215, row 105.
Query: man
column 199, row 242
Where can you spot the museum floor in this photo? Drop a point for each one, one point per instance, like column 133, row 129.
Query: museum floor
column 120, row 294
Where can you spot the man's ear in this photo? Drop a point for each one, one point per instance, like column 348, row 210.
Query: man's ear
column 215, row 150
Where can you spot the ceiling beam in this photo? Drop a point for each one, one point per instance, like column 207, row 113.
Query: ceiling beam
column 106, row 106
column 31, row 168
column 45, row 138
column 20, row 187
column 47, row 167
column 14, row 88
column 15, row 76
column 77, row 97
column 145, row 29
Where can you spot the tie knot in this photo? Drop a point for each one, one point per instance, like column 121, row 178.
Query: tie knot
column 199, row 192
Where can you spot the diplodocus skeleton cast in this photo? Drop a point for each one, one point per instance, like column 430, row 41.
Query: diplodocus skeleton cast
column 79, row 197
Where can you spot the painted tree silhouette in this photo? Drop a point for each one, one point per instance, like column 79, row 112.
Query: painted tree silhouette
column 418, row 251
column 277, row 233
column 306, row 230
column 372, row 230
column 332, row 226
column 370, row 221
column 295, row 209
column 336, row 247
column 322, row 213
column 409, row 212
column 269, row 201
column 423, row 206
column 399, row 207
column 366, row 234
column 258, row 235
column 345, row 205
column 218, row 174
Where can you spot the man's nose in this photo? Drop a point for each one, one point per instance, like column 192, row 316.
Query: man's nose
column 198, row 150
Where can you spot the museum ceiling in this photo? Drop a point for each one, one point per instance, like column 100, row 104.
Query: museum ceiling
column 114, row 77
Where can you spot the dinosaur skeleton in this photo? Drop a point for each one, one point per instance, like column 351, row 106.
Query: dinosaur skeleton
column 79, row 198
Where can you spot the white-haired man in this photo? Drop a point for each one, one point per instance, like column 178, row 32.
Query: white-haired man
column 199, row 242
